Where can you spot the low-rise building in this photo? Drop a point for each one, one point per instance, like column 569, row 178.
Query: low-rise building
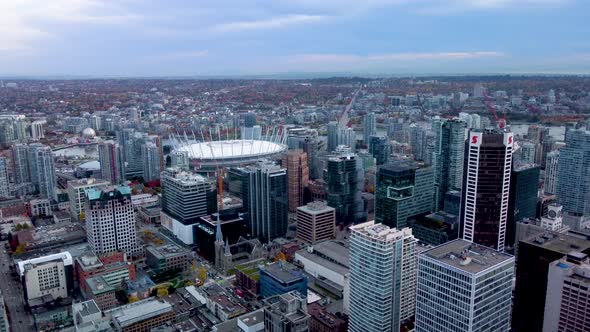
column 280, row 278
column 47, row 278
column 321, row 320
column 101, row 292
column 141, row 315
column 149, row 214
column 166, row 257
column 40, row 207
column 113, row 269
column 77, row 194
column 286, row 312
column 248, row 276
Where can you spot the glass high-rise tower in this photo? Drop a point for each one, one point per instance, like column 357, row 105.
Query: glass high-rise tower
column 573, row 179
column 449, row 151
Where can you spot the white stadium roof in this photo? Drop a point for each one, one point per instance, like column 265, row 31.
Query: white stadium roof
column 231, row 149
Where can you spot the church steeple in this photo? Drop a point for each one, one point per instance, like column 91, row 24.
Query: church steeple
column 218, row 234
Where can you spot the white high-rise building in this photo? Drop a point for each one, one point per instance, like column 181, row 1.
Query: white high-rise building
column 463, row 286
column 4, row 184
column 77, row 194
column 150, row 156
column 551, row 172
column 38, row 130
column 567, row 305
column 110, row 220
column 554, row 219
column 45, row 171
column 382, row 277
column 20, row 163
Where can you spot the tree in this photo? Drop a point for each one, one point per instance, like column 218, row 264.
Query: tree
column 82, row 216
column 280, row 257
column 133, row 298
column 162, row 292
column 20, row 249
column 203, row 274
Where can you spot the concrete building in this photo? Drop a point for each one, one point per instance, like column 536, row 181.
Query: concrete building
column 281, row 277
column 567, row 305
column 332, row 136
column 295, row 161
column 4, row 179
column 404, row 189
column 463, row 286
column 286, row 312
column 379, row 149
column 486, row 187
column 150, row 156
column 47, row 278
column 328, row 262
column 321, row 320
column 77, row 195
column 142, row 315
column 535, row 254
column 185, row 198
column 316, row 222
column 449, row 151
column 369, row 127
column 166, row 257
column 101, row 292
column 382, row 277
column 20, row 163
column 113, row 269
column 573, row 179
column 110, row 220
column 551, row 172
column 4, row 323
column 112, row 162
column 87, row 317
column 45, row 171
column 40, row 207
column 343, row 187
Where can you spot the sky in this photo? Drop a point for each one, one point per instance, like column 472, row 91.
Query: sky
column 134, row 38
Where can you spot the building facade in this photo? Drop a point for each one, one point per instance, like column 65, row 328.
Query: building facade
column 77, row 195
column 4, row 179
column 369, row 127
column 342, row 187
column 551, row 165
column 112, row 162
column 382, row 277
column 449, row 151
column 404, row 189
column 47, row 278
column 573, row 179
column 463, row 286
column 295, row 161
column 316, row 222
column 486, row 187
column 110, row 220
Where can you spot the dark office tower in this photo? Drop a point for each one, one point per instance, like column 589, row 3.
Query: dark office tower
column 312, row 146
column 340, row 176
column 486, row 185
column 332, row 136
column 265, row 198
column 369, row 127
column 534, row 257
column 249, row 120
column 449, row 151
column 134, row 166
column 379, row 149
column 298, row 176
column 112, row 162
column 404, row 189
column 418, row 141
column 573, row 176
column 453, row 202
column 522, row 202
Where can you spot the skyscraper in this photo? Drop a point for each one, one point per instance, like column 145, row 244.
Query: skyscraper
column 568, row 294
column 382, row 277
column 341, row 178
column 449, row 151
column 20, row 163
column 379, row 148
column 551, row 172
column 112, row 162
column 573, row 179
column 404, row 189
column 369, row 127
column 418, row 141
column 332, row 136
column 265, row 199
column 347, row 136
column 297, row 176
column 486, row 186
column 186, row 197
column 150, row 155
column 535, row 255
column 45, row 172
column 4, row 184
column 522, row 201
column 463, row 286
column 110, row 220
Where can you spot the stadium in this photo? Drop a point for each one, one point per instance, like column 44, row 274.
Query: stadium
column 207, row 156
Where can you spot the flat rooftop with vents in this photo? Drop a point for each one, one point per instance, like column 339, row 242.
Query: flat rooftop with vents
column 467, row 256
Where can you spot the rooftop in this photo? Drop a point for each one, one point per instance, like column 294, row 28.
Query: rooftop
column 379, row 231
column 141, row 310
column 283, row 271
column 231, row 149
column 558, row 242
column 65, row 256
column 316, row 207
column 469, row 257
column 98, row 285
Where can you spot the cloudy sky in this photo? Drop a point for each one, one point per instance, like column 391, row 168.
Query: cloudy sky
column 250, row 37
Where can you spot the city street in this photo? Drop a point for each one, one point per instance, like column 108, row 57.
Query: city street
column 13, row 296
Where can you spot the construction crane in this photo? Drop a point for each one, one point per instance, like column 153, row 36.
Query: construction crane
column 501, row 122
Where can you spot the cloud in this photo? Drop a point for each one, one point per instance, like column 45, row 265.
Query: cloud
column 25, row 22
column 268, row 23
column 179, row 55
column 357, row 59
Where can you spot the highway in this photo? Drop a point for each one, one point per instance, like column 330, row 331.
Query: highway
column 13, row 296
